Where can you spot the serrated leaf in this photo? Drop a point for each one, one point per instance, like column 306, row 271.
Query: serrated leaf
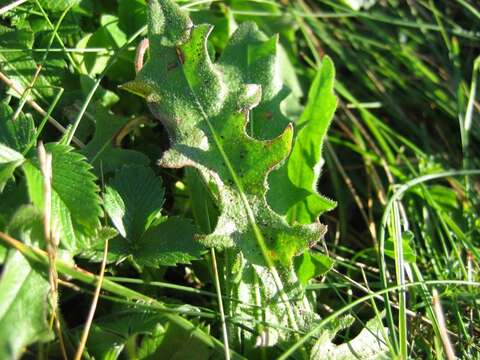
column 101, row 150
column 75, row 200
column 133, row 198
column 293, row 186
column 9, row 161
column 57, row 5
column 19, row 66
column 168, row 243
column 17, row 134
column 177, row 344
column 206, row 114
column 23, row 306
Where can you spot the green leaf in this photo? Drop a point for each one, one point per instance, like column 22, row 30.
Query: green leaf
column 293, row 187
column 133, row 199
column 9, row 161
column 168, row 243
column 12, row 197
column 368, row 344
column 132, row 15
column 206, row 114
column 57, row 5
column 203, row 207
column 206, row 108
column 17, row 134
column 312, row 264
column 19, row 66
column 23, row 306
column 408, row 252
column 177, row 344
column 109, row 35
column 101, row 152
column 109, row 334
column 75, row 200
column 15, row 138
column 106, row 98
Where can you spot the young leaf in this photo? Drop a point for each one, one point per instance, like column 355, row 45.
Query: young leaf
column 23, row 306
column 206, row 108
column 312, row 264
column 75, row 200
column 408, row 253
column 293, row 186
column 206, row 113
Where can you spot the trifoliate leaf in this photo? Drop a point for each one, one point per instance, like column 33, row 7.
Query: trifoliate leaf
column 75, row 200
column 206, row 112
column 133, row 198
column 293, row 186
column 101, row 150
column 23, row 306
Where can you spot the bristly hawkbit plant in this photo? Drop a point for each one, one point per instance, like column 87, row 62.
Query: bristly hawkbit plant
column 224, row 119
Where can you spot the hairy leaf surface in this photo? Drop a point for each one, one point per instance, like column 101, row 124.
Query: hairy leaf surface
column 293, row 186
column 224, row 118
column 205, row 107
